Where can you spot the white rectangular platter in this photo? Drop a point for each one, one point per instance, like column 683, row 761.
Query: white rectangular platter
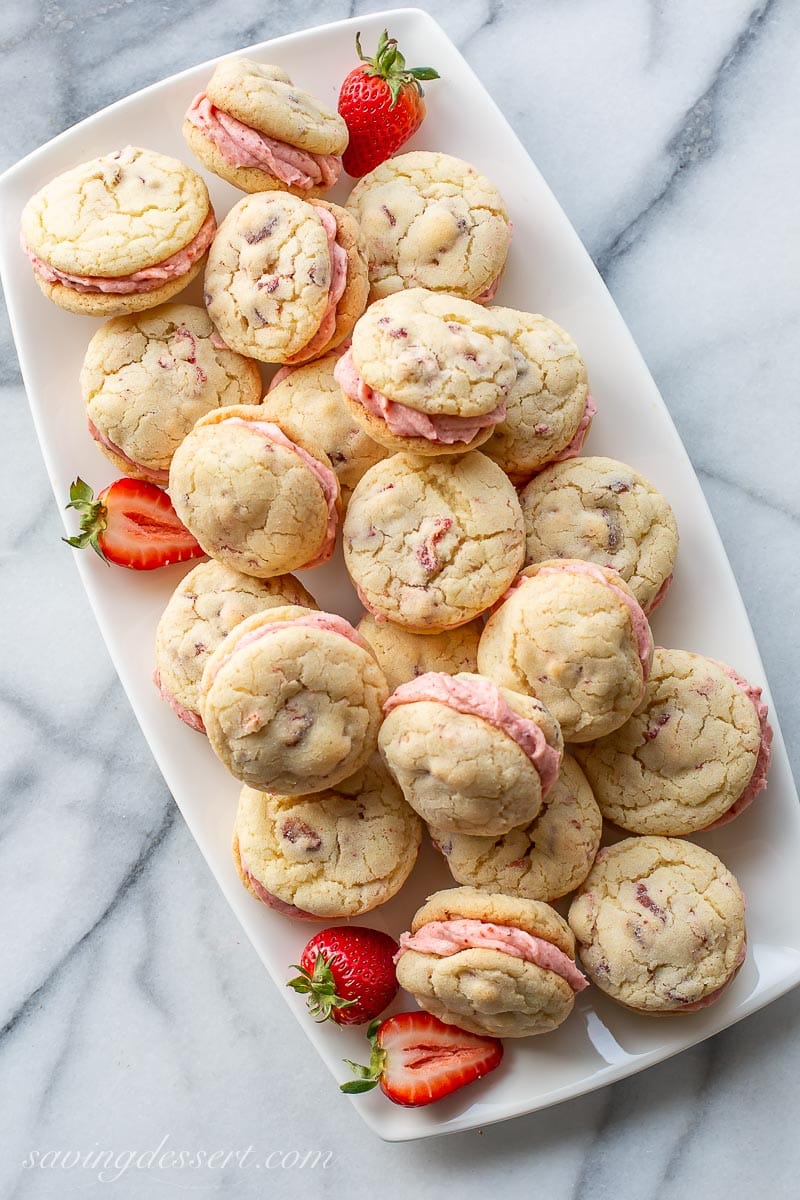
column 549, row 272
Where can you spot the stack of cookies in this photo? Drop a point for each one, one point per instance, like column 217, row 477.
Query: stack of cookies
column 502, row 688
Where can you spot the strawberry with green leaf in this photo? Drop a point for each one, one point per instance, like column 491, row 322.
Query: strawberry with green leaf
column 131, row 523
column 347, row 973
column 382, row 105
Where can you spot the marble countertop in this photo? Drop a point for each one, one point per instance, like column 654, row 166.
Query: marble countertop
column 132, row 1008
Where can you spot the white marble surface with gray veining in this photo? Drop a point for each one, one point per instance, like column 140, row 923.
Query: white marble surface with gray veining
column 132, row 1009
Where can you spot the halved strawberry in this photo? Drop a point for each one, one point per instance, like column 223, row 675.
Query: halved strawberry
column 347, row 973
column 131, row 523
column 417, row 1059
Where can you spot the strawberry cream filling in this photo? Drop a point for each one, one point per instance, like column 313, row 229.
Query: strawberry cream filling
column 192, row 719
column 576, row 445
column 660, row 594
column 286, row 910
column 758, row 780
column 146, row 280
column 451, row 937
column 641, row 627
column 409, row 422
column 243, row 146
column 324, row 476
column 153, row 474
column 330, row 622
column 481, row 698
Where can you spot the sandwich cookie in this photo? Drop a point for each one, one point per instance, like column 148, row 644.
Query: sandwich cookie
column 254, row 498
column 254, row 128
column 148, row 377
column 430, row 220
column 206, row 605
column 470, row 757
column 603, row 511
column 659, row 924
column 118, row 234
column 403, row 655
column 338, row 853
column 426, row 373
column 431, row 543
column 694, row 755
column 309, row 399
column 490, row 964
column 286, row 279
column 543, row 860
column 573, row 634
column 549, row 410
column 291, row 701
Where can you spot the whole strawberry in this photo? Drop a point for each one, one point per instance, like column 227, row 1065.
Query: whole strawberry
column 382, row 105
column 347, row 972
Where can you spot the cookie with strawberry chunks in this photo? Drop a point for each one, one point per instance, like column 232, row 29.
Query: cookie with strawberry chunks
column 431, row 220
column 660, row 925
column 147, row 377
column 426, row 373
column 693, row 756
column 255, row 498
column 430, row 544
column 205, row 607
column 338, row 853
column 404, row 655
column 257, row 130
column 603, row 511
column 286, row 278
column 121, row 233
column 490, row 963
column 308, row 398
column 573, row 634
column 291, row 701
column 470, row 757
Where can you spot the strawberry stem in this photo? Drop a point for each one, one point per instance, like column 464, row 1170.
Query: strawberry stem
column 93, row 515
column 390, row 65
column 367, row 1077
column 320, row 987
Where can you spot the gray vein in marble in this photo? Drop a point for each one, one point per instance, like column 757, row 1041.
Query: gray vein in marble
column 129, row 880
column 694, row 140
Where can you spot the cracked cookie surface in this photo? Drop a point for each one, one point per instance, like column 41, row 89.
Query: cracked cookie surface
column 116, row 215
column 433, row 221
column 338, row 853
column 147, row 378
column 659, row 924
column 431, row 545
column 547, row 400
column 603, row 511
column 684, row 757
column 543, row 860
column 263, row 96
column 295, row 709
column 459, row 771
column 251, row 503
column 570, row 639
column 310, row 400
column 206, row 605
column 404, row 655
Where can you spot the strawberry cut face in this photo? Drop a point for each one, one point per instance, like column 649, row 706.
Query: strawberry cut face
column 131, row 523
column 428, row 1060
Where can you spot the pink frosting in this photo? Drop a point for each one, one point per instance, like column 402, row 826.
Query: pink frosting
column 324, row 475
column 289, row 368
column 659, row 596
column 758, row 780
column 450, row 937
column 641, row 627
column 409, row 422
column 331, row 622
column 192, row 719
column 286, row 910
column 481, row 698
column 243, row 146
column 696, row 1005
column 153, row 474
column 338, row 283
column 488, row 294
column 146, row 280
column 576, row 445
